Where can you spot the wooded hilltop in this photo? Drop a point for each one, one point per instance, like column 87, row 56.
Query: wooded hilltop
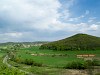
column 75, row 42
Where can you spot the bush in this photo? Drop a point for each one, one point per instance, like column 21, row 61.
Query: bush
column 82, row 65
column 4, row 70
column 96, row 62
column 31, row 62
column 28, row 62
column 37, row 64
column 97, row 74
column 93, row 62
column 76, row 65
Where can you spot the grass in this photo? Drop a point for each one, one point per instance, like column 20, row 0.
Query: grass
column 5, row 70
column 2, row 53
column 54, row 64
column 53, row 61
column 40, row 70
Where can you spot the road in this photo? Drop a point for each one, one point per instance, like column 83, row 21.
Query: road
column 5, row 62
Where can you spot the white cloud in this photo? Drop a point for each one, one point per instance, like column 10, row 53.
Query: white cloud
column 91, row 19
column 80, row 17
column 80, row 27
column 38, row 14
column 76, row 18
column 65, row 12
column 34, row 14
column 94, row 27
column 33, row 19
column 12, row 34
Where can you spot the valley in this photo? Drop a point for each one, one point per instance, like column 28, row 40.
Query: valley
column 31, row 59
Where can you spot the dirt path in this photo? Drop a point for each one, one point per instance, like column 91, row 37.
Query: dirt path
column 5, row 62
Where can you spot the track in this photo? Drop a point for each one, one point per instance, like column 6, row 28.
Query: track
column 6, row 58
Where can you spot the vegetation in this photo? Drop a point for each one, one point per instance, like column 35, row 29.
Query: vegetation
column 50, row 58
column 76, row 65
column 27, row 62
column 82, row 65
column 54, row 58
column 97, row 74
column 5, row 70
column 50, row 61
column 76, row 42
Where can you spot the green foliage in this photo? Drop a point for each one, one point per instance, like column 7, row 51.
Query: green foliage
column 31, row 62
column 96, row 62
column 93, row 62
column 82, row 65
column 76, row 42
column 50, row 58
column 97, row 74
column 4, row 70
column 27, row 62
column 76, row 65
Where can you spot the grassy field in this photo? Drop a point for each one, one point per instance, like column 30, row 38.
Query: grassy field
column 54, row 61
column 4, row 69
column 50, row 59
column 2, row 53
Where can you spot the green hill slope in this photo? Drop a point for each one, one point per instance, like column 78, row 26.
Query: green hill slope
column 76, row 42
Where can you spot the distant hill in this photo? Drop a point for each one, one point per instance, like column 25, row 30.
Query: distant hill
column 75, row 42
column 23, row 43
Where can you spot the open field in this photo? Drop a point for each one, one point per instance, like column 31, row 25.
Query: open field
column 53, row 58
column 2, row 53
column 52, row 61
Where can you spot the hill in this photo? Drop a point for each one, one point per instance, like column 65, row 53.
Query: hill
column 75, row 42
column 23, row 43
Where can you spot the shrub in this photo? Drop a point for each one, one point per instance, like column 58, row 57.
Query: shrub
column 96, row 62
column 28, row 62
column 82, row 65
column 75, row 65
column 97, row 74
column 93, row 62
column 4, row 70
column 31, row 62
column 37, row 64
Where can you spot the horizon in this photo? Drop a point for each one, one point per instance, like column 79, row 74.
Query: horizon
column 47, row 20
column 44, row 41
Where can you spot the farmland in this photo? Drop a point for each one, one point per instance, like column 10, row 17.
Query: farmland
column 53, row 60
column 47, row 62
column 76, row 55
column 2, row 53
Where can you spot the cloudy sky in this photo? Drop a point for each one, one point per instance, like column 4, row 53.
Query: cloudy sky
column 47, row 20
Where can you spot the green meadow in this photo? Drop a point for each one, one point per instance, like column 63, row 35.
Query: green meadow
column 53, row 62
column 50, row 57
column 2, row 53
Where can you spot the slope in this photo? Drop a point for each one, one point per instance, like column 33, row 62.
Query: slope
column 75, row 42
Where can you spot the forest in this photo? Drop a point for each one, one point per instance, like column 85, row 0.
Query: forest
column 75, row 42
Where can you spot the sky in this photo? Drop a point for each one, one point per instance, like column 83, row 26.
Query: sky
column 47, row 20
